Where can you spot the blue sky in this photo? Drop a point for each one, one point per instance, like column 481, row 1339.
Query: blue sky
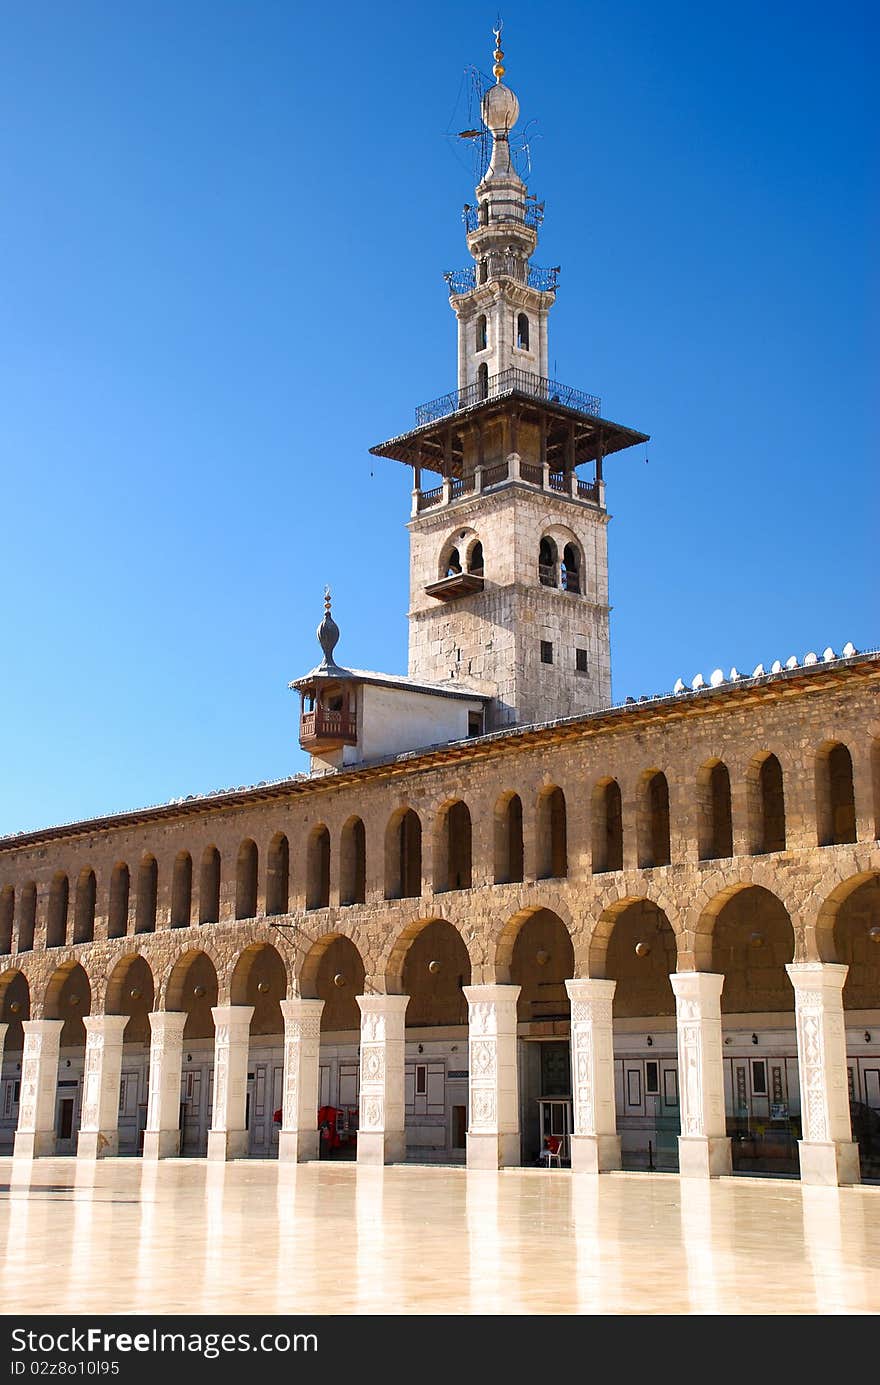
column 224, row 233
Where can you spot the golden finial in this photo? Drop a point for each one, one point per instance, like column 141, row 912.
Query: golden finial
column 327, row 600
column 498, row 68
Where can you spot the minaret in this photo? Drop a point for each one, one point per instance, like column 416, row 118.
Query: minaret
column 508, row 555
column 502, row 302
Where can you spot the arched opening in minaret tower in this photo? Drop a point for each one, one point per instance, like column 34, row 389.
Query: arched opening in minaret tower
column 522, row 332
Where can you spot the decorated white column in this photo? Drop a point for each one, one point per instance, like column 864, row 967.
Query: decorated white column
column 162, row 1131
column 703, row 1145
column 595, row 1143
column 35, row 1134
column 298, row 1137
column 493, row 1104
column 381, row 1134
column 827, row 1152
column 99, row 1123
column 3, row 1029
column 228, row 1136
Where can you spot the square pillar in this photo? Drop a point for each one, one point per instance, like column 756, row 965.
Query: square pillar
column 35, row 1134
column 162, row 1131
column 381, row 1133
column 827, row 1152
column 298, row 1139
column 493, row 1089
column 99, row 1124
column 228, row 1136
column 703, row 1145
column 595, row 1143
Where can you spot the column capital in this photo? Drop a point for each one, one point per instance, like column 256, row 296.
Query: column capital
column 493, row 994
column 110, row 1026
column 42, row 1028
column 817, row 976
column 382, row 1004
column 236, row 1016
column 704, row 987
column 306, row 1013
column 590, row 988
column 170, row 1022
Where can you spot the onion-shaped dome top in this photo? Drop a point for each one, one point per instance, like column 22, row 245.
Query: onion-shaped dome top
column 328, row 634
column 499, row 109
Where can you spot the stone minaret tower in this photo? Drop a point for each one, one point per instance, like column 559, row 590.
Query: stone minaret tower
column 508, row 555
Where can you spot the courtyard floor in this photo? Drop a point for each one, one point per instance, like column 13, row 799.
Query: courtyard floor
column 186, row 1237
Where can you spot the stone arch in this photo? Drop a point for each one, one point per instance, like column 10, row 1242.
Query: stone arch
column 548, row 561
column 765, row 794
column 278, row 875
column 59, row 905
column 403, row 855
column 333, row 971
column 181, row 890
column 714, row 812
column 453, row 847
column 131, row 991
column 854, row 917
column 260, row 979
column 551, row 834
column 835, row 795
column 7, row 917
column 752, row 938
column 68, row 996
column 572, row 566
column 456, row 552
column 318, row 867
column 193, row 986
column 15, row 1007
column 827, row 945
column 429, row 961
column 652, row 819
column 508, row 839
column 27, row 915
column 607, row 826
column 635, row 944
column 117, row 909
column 502, row 948
column 246, row 872
column 542, row 959
column 209, row 885
column 353, row 862
column 147, row 894
column 84, row 906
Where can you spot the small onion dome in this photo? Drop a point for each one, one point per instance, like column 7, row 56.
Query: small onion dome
column 499, row 109
column 328, row 632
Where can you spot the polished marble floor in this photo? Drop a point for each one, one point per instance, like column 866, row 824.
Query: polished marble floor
column 183, row 1236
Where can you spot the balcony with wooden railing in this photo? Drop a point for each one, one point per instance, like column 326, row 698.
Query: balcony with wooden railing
column 326, row 728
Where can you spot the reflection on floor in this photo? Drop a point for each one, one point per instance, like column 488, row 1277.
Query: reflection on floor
column 184, row 1236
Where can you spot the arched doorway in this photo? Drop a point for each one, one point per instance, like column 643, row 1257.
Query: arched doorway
column 131, row 991
column 260, row 980
column 69, row 998
column 752, row 942
column 634, row 945
column 541, row 960
column 192, row 989
column 334, row 972
column 855, row 909
column 15, row 1008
